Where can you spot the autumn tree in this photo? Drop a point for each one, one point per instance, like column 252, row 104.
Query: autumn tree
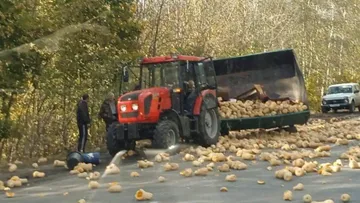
column 54, row 52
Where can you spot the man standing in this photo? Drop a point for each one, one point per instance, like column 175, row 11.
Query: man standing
column 190, row 96
column 83, row 120
column 108, row 110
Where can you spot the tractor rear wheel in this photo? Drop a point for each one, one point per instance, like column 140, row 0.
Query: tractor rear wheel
column 209, row 127
column 166, row 134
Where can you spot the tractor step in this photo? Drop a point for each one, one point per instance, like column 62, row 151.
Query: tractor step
column 194, row 128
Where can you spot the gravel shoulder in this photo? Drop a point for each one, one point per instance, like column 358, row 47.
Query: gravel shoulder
column 339, row 115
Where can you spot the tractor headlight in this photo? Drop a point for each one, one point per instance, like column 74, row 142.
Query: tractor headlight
column 346, row 100
column 135, row 107
column 123, row 107
column 323, row 101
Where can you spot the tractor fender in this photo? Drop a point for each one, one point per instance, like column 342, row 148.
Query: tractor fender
column 207, row 98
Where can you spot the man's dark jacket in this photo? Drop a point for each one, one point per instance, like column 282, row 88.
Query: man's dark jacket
column 105, row 112
column 82, row 113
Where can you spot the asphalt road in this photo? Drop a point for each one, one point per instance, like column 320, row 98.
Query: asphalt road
column 64, row 188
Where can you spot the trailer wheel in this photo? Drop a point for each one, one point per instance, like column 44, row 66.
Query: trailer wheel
column 209, row 127
column 166, row 134
column 224, row 131
column 114, row 145
column 291, row 129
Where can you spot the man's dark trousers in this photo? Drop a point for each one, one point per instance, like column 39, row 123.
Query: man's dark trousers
column 108, row 123
column 83, row 135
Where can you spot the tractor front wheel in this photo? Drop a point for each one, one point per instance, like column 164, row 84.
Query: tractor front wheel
column 166, row 134
column 209, row 127
column 113, row 144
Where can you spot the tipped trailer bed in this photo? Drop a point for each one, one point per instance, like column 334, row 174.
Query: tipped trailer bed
column 280, row 77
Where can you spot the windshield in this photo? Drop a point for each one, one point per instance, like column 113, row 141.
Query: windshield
column 340, row 89
column 160, row 75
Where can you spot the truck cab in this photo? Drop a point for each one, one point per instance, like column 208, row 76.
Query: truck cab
column 341, row 96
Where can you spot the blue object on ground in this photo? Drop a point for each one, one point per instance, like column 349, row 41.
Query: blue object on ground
column 73, row 159
column 76, row 157
column 93, row 158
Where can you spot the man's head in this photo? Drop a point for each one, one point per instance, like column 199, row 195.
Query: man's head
column 137, row 87
column 191, row 85
column 111, row 96
column 85, row 97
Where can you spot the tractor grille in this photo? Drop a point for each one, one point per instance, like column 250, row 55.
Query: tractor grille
column 129, row 114
column 147, row 104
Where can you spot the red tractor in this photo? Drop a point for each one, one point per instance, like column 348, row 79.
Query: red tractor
column 176, row 99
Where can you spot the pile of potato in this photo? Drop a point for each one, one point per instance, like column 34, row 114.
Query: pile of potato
column 295, row 151
column 240, row 109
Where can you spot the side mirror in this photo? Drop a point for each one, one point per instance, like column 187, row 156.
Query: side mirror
column 324, row 94
column 356, row 91
column 125, row 75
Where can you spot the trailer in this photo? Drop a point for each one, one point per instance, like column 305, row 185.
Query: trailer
column 278, row 74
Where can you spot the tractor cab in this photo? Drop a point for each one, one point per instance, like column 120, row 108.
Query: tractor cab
column 175, row 98
column 184, row 77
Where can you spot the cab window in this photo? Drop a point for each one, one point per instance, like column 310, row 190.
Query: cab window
column 160, row 75
column 206, row 75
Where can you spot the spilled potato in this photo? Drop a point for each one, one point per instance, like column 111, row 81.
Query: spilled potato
column 142, row 195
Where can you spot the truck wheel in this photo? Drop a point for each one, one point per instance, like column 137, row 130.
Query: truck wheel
column 324, row 110
column 114, row 145
column 166, row 134
column 209, row 127
column 352, row 107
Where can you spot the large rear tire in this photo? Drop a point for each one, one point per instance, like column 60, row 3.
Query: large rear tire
column 166, row 134
column 209, row 127
column 114, row 145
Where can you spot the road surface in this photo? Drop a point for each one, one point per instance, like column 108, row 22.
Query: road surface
column 64, row 188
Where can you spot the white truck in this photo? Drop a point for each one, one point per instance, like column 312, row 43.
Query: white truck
column 341, row 96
